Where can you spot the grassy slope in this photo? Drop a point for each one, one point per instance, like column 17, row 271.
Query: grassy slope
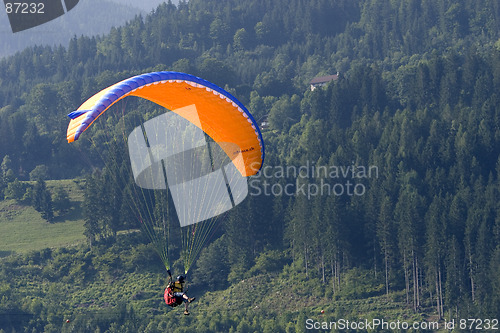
column 285, row 296
column 270, row 296
column 267, row 296
column 281, row 295
column 22, row 229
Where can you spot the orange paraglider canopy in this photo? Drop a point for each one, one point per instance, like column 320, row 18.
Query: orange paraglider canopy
column 220, row 115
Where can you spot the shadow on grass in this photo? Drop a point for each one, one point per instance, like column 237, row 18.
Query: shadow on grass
column 74, row 213
column 4, row 254
column 13, row 318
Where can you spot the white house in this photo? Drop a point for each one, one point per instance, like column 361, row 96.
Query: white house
column 321, row 81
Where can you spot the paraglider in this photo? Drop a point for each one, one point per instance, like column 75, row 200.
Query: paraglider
column 175, row 294
column 197, row 154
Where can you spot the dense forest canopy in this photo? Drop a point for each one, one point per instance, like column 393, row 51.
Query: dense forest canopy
column 416, row 100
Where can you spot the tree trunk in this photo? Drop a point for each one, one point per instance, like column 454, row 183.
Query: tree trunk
column 415, row 280
column 471, row 274
column 416, row 292
column 333, row 276
column 323, row 268
column 440, row 292
column 438, row 308
column 305, row 259
column 386, row 261
column 407, row 282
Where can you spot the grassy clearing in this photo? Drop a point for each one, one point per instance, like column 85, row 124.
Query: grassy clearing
column 22, row 229
column 74, row 188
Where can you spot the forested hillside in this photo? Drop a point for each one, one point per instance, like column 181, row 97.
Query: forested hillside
column 391, row 172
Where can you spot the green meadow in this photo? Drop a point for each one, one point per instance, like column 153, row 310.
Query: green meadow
column 22, row 229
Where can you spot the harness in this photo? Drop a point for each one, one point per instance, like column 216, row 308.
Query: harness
column 177, row 287
column 169, row 297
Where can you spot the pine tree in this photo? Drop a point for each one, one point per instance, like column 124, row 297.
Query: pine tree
column 409, row 220
column 335, row 240
column 385, row 232
column 42, row 200
column 434, row 255
column 47, row 207
column 91, row 209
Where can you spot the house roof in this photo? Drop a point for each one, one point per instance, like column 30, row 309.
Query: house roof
column 324, row 79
